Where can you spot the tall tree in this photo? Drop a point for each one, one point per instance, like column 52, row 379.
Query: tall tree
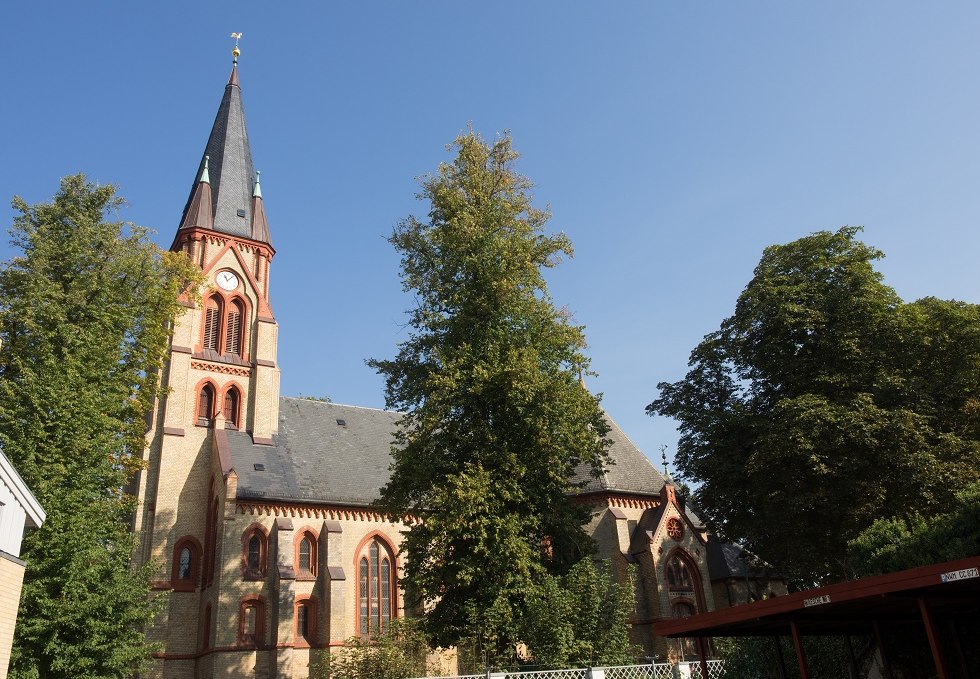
column 825, row 403
column 85, row 312
column 495, row 418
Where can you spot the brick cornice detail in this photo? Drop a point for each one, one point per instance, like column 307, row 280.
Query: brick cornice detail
column 222, row 368
column 616, row 500
column 265, row 363
column 310, row 512
column 181, row 350
column 173, row 431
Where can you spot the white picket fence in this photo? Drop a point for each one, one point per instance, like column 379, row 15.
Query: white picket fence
column 686, row 670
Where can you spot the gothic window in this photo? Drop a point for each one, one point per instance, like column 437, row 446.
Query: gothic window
column 679, row 577
column 231, row 407
column 306, row 556
column 205, row 405
column 254, row 553
column 186, row 564
column 234, row 328
column 375, row 588
column 212, row 324
column 306, row 621
column 251, row 622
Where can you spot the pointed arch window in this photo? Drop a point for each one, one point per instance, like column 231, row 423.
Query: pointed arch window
column 234, row 328
column 212, row 324
column 306, row 556
column 205, row 406
column 679, row 577
column 255, row 550
column 251, row 622
column 375, row 588
column 186, row 564
column 306, row 621
column 231, row 408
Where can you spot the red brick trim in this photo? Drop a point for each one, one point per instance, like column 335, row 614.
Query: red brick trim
column 310, row 602
column 306, row 532
column 181, row 350
column 265, row 363
column 190, row 583
column 258, row 602
column 263, row 533
column 261, row 440
column 173, row 431
column 618, row 500
column 266, row 319
column 335, row 513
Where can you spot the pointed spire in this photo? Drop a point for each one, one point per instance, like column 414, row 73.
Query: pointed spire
column 204, row 173
column 228, row 166
column 198, row 212
column 260, row 227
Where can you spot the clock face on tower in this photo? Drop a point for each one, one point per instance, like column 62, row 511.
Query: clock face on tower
column 226, row 280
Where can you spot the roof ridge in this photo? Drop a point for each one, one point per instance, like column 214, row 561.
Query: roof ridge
column 334, row 403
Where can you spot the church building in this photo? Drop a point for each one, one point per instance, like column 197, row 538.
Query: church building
column 257, row 508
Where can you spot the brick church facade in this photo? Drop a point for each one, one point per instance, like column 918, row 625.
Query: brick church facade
column 257, row 508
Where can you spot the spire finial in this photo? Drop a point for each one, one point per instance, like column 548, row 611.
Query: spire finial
column 204, row 173
column 235, row 52
column 663, row 456
column 257, row 192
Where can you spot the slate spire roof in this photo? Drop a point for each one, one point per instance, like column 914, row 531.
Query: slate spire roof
column 230, row 171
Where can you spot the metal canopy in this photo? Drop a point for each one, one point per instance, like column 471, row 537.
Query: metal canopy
column 947, row 591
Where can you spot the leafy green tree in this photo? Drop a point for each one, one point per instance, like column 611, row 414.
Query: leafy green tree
column 398, row 652
column 896, row 544
column 495, row 418
column 581, row 619
column 825, row 403
column 84, row 317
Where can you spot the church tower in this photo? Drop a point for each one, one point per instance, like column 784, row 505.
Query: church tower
column 220, row 377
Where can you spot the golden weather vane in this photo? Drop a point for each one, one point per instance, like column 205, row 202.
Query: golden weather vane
column 235, row 52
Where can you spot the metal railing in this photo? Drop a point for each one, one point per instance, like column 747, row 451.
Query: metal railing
column 686, row 670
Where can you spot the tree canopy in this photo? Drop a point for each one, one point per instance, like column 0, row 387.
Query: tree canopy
column 826, row 402
column 495, row 420
column 85, row 312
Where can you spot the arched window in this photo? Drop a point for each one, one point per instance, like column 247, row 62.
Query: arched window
column 230, row 408
column 306, row 555
column 254, row 553
column 212, row 324
column 205, row 405
column 375, row 588
column 306, row 621
column 679, row 577
column 186, row 564
column 234, row 328
column 251, row 622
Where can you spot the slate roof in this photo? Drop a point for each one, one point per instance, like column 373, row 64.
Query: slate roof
column 232, row 175
column 727, row 560
column 631, row 473
column 315, row 459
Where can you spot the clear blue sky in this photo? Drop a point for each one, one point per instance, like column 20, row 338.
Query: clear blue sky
column 672, row 140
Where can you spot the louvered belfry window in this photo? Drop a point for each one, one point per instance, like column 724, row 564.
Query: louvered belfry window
column 212, row 324
column 205, row 404
column 233, row 330
column 230, row 409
